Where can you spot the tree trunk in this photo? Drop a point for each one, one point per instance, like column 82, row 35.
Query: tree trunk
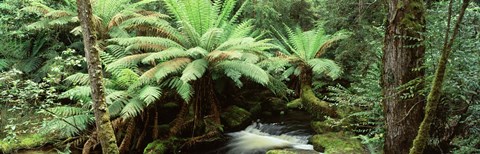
column 105, row 134
column 434, row 95
column 402, row 60
column 314, row 105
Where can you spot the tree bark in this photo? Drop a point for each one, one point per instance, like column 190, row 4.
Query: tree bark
column 433, row 98
column 105, row 134
column 312, row 103
column 403, row 54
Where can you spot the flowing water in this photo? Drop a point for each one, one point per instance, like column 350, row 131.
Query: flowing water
column 291, row 131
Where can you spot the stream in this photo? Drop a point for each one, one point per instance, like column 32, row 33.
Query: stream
column 290, row 131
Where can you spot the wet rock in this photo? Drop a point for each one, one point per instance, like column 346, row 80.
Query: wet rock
column 337, row 143
column 235, row 117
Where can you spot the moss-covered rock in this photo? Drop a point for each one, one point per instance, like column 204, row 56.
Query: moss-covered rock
column 24, row 142
column 235, row 117
column 321, row 127
column 156, row 147
column 291, row 151
column 275, row 105
column 337, row 143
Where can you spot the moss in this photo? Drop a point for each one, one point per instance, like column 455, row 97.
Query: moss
column 337, row 143
column 291, row 151
column 295, row 104
column 323, row 127
column 156, row 147
column 315, row 106
column 280, row 152
column 235, row 117
column 24, row 142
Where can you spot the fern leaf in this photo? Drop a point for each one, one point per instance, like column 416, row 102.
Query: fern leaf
column 249, row 70
column 78, row 79
column 325, row 66
column 132, row 108
column 149, row 94
column 194, row 70
column 170, row 53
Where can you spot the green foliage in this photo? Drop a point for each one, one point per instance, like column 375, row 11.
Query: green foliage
column 206, row 42
column 305, row 48
column 361, row 106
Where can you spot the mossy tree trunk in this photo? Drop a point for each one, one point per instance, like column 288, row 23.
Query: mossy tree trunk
column 311, row 102
column 402, row 60
column 104, row 127
column 433, row 98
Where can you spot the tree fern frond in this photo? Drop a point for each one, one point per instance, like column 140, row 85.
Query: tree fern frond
column 325, row 66
column 239, row 12
column 249, row 70
column 171, row 66
column 221, row 55
column 3, row 64
column 194, row 70
column 235, row 76
column 183, row 89
column 170, row 53
column 133, row 108
column 225, row 13
column 149, row 94
column 69, row 126
column 197, row 52
column 126, row 62
column 78, row 79
column 244, row 29
column 66, row 111
column 211, row 38
column 79, row 93
column 167, row 43
column 126, row 77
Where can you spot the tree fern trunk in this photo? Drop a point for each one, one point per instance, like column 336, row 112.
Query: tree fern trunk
column 433, row 98
column 105, row 131
column 124, row 147
column 313, row 104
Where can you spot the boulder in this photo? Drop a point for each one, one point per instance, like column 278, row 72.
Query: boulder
column 337, row 143
column 235, row 117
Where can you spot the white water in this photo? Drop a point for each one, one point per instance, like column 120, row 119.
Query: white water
column 258, row 138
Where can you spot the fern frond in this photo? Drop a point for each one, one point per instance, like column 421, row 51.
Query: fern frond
column 183, row 89
column 211, row 38
column 127, row 61
column 244, row 29
column 235, row 76
column 194, row 70
column 78, row 79
column 170, row 53
column 149, row 94
column 78, row 93
column 133, row 108
column 166, row 43
column 325, row 66
column 66, row 111
column 221, row 55
column 249, row 70
column 171, row 66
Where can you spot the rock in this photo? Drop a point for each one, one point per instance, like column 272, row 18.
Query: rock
column 235, row 117
column 337, row 143
column 291, row 151
column 156, row 147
